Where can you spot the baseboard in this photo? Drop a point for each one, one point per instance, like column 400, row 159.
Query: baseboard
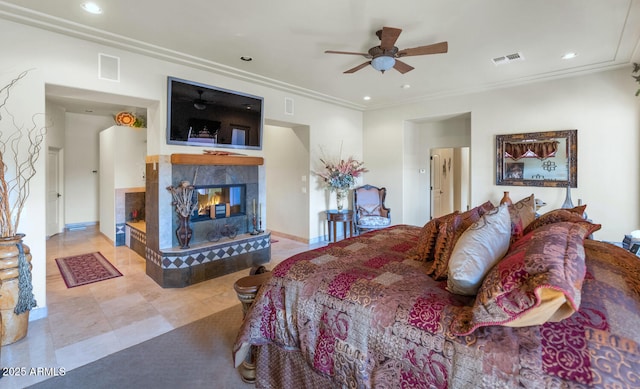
column 289, row 236
column 315, row 240
column 79, row 226
column 38, row 313
column 107, row 238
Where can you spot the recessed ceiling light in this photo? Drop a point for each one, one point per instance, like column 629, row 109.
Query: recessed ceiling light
column 92, row 8
column 405, row 86
column 570, row 55
column 246, row 59
column 367, row 98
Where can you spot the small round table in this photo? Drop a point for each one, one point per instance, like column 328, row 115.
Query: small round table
column 345, row 216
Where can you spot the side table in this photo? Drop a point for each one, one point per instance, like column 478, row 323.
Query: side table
column 345, row 216
column 247, row 288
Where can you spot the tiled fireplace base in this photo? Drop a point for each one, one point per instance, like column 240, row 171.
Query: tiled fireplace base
column 175, row 268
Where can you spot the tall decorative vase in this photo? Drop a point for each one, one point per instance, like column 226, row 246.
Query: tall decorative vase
column 183, row 232
column 16, row 289
column 567, row 199
column 341, row 198
column 506, row 199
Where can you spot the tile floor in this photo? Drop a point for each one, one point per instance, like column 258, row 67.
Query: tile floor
column 89, row 322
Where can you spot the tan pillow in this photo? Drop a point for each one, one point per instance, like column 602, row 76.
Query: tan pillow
column 522, row 214
column 557, row 216
column 479, row 248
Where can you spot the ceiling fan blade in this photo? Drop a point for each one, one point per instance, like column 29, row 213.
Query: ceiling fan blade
column 388, row 37
column 353, row 70
column 366, row 55
column 436, row 48
column 402, row 67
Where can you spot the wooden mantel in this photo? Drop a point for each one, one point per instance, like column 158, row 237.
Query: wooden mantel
column 210, row 159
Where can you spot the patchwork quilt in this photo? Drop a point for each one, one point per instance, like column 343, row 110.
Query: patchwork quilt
column 361, row 313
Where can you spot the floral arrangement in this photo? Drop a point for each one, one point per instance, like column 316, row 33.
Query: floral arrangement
column 183, row 198
column 341, row 175
column 20, row 147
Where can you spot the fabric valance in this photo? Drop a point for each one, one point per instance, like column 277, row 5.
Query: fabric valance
column 540, row 150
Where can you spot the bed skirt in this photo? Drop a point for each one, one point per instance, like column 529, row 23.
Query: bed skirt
column 277, row 368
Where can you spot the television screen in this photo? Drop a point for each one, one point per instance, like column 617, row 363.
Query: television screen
column 204, row 115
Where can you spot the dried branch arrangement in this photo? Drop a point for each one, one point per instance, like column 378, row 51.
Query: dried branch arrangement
column 20, row 146
column 183, row 198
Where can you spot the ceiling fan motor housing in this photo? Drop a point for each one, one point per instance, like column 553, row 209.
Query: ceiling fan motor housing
column 378, row 51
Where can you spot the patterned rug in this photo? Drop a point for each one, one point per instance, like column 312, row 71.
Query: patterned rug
column 85, row 269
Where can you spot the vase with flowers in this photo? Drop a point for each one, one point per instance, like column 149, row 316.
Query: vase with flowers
column 20, row 148
column 341, row 176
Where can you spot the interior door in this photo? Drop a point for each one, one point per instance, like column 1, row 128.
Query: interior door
column 436, row 184
column 53, row 192
column 441, row 182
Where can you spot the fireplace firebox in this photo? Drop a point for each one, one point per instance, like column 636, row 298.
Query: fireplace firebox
column 219, row 201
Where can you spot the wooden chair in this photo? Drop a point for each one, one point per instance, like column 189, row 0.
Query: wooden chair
column 370, row 211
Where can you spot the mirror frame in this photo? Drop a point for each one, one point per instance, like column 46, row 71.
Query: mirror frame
column 572, row 155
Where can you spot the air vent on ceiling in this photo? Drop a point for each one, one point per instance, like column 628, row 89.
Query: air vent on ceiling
column 508, row 58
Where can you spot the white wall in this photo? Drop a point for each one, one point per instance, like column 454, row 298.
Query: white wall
column 419, row 139
column 56, row 123
column 72, row 63
column 122, row 165
column 130, row 149
column 286, row 152
column 81, row 159
column 107, row 197
column 603, row 108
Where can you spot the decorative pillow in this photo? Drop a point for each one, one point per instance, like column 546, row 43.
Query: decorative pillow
column 579, row 209
column 448, row 235
column 539, row 280
column 369, row 210
column 484, row 208
column 442, row 250
column 557, row 216
column 425, row 249
column 479, row 248
column 522, row 214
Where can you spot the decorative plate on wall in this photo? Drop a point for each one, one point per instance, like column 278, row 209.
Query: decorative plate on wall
column 125, row 119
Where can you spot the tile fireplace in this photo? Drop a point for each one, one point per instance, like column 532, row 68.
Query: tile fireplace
column 224, row 187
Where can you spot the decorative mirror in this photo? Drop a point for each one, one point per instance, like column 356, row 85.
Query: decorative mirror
column 538, row 159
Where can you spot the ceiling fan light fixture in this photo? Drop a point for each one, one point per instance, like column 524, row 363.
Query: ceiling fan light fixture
column 199, row 106
column 383, row 63
column 92, row 8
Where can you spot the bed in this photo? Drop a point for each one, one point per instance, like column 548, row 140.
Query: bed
column 556, row 309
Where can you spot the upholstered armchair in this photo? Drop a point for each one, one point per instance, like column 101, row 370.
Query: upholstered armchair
column 370, row 211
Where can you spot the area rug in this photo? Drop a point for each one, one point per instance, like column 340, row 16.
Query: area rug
column 197, row 355
column 84, row 269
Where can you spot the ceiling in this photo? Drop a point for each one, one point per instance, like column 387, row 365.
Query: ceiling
column 287, row 38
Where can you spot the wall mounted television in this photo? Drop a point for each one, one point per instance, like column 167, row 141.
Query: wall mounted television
column 204, row 115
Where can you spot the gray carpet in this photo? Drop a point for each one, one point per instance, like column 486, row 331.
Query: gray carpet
column 197, row 355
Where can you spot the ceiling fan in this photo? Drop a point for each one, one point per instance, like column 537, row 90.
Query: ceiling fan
column 199, row 103
column 385, row 56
